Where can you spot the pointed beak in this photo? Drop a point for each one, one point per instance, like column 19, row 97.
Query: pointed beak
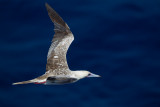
column 93, row 75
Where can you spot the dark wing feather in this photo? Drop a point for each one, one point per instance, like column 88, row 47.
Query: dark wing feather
column 60, row 80
column 61, row 41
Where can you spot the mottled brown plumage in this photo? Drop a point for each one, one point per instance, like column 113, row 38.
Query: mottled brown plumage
column 61, row 41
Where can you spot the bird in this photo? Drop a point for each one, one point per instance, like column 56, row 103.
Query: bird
column 57, row 70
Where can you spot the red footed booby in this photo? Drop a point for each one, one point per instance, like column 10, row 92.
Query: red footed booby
column 57, row 70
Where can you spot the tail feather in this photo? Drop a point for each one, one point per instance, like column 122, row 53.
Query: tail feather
column 23, row 82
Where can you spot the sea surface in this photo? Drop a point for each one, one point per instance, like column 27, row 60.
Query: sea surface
column 117, row 39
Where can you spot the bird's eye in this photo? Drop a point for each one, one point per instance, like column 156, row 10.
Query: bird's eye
column 89, row 74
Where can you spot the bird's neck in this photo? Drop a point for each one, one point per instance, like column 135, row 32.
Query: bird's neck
column 79, row 74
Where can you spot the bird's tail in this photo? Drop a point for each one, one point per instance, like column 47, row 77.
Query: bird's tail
column 24, row 82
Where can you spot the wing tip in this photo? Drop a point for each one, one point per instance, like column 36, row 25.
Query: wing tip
column 47, row 5
column 56, row 18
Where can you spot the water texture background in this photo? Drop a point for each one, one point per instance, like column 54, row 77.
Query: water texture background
column 117, row 39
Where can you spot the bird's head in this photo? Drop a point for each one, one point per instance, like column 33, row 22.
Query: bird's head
column 82, row 74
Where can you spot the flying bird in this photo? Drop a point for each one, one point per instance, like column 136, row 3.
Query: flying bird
column 57, row 70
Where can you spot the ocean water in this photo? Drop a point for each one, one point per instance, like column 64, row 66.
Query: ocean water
column 117, row 39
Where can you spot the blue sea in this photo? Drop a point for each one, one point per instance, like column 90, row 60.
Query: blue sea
column 117, row 39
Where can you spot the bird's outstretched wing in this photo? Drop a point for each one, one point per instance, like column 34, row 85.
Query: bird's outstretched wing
column 62, row 39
